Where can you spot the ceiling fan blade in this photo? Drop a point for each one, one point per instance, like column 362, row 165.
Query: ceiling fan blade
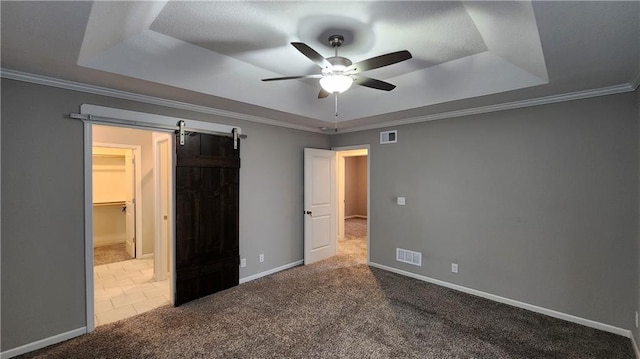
column 373, row 83
column 323, row 93
column 312, row 54
column 294, row 77
column 378, row 61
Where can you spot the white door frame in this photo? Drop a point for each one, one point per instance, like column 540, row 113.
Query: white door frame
column 341, row 176
column 136, row 120
column 137, row 174
column 347, row 151
column 161, row 268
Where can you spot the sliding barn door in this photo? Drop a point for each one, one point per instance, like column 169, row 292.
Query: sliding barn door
column 207, row 196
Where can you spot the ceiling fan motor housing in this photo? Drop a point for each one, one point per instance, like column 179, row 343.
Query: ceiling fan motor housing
column 338, row 63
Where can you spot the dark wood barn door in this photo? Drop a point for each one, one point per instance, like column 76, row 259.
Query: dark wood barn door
column 207, row 196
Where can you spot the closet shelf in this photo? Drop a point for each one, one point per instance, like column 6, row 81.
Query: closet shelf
column 101, row 155
column 104, row 204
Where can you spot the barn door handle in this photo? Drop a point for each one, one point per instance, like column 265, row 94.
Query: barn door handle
column 307, row 212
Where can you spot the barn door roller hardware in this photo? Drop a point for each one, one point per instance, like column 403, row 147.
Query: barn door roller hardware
column 235, row 138
column 181, row 128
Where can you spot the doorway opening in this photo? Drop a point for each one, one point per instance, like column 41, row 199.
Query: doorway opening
column 132, row 189
column 325, row 199
column 161, row 137
column 353, row 202
column 116, row 225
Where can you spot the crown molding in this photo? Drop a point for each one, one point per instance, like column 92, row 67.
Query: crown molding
column 98, row 90
column 611, row 90
column 105, row 91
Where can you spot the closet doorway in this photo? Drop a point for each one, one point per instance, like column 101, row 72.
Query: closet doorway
column 116, row 221
column 130, row 234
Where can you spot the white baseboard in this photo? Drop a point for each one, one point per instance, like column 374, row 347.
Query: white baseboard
column 77, row 332
column 355, row 216
column 552, row 313
column 635, row 347
column 512, row 302
column 148, row 255
column 271, row 271
column 42, row 343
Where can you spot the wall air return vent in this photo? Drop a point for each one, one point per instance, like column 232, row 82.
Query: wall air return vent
column 388, row 137
column 407, row 256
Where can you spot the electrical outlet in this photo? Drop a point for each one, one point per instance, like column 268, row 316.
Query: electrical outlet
column 243, row 262
column 454, row 267
column 261, row 258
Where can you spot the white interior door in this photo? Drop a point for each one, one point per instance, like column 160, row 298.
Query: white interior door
column 163, row 208
column 319, row 205
column 130, row 182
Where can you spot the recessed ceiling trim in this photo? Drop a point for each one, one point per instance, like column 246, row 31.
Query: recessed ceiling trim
column 611, row 90
column 104, row 91
column 178, row 53
column 636, row 81
column 124, row 21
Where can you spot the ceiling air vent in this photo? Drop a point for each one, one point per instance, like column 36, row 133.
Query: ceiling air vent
column 388, row 137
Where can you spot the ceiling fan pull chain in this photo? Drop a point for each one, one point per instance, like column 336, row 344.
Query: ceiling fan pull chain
column 335, row 126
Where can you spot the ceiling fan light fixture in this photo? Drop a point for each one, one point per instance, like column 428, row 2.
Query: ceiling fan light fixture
column 336, row 83
column 337, row 70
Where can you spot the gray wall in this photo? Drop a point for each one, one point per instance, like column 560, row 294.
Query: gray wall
column 538, row 204
column 43, row 284
column 43, row 218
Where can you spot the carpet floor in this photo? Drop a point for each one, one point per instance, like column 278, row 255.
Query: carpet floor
column 355, row 227
column 341, row 308
column 354, row 244
column 110, row 254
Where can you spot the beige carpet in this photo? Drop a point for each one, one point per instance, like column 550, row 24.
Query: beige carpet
column 110, row 254
column 355, row 228
column 354, row 244
column 341, row 308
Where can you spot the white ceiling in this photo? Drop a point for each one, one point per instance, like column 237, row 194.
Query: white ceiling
column 465, row 54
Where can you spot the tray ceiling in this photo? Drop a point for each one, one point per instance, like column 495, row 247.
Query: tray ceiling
column 464, row 53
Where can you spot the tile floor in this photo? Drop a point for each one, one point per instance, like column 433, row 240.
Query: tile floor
column 125, row 289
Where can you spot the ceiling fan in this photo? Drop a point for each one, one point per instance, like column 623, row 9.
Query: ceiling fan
column 338, row 73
